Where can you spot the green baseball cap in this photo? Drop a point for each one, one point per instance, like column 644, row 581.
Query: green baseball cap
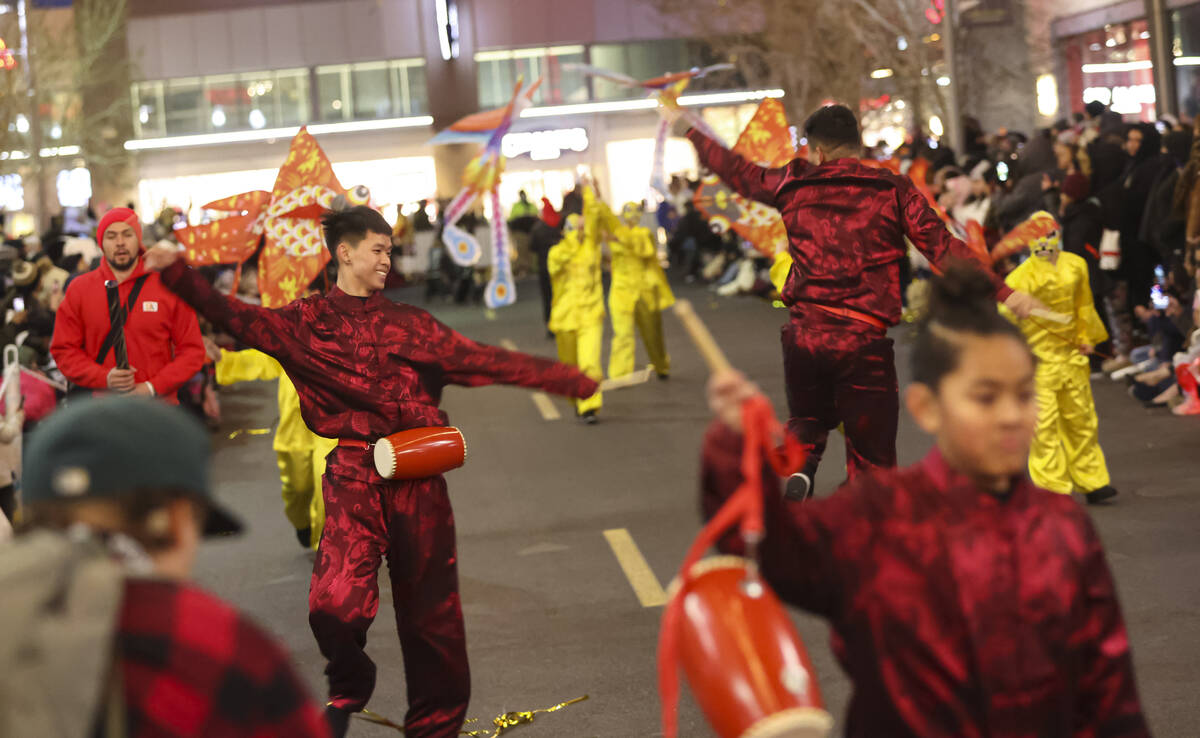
column 110, row 446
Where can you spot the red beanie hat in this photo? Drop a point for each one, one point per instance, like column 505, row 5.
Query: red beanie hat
column 1077, row 187
column 119, row 215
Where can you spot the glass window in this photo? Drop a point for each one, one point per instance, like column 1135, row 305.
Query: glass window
column 186, row 110
column 410, row 88
column 292, row 100
column 1114, row 68
column 372, row 90
column 498, row 72
column 612, row 58
column 333, row 87
column 1185, row 48
column 148, row 109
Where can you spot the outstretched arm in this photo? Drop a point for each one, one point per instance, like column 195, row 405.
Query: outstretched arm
column 465, row 362
column 746, row 178
column 270, row 331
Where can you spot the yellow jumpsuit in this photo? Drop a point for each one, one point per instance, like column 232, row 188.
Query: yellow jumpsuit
column 638, row 295
column 577, row 307
column 1066, row 453
column 299, row 452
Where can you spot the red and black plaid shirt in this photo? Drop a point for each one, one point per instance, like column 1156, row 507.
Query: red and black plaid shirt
column 193, row 666
column 956, row 614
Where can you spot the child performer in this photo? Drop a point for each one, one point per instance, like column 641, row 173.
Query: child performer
column 846, row 225
column 364, row 368
column 299, row 452
column 639, row 292
column 964, row 600
column 1066, row 453
column 577, row 311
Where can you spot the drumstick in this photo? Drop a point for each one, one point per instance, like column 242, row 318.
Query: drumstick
column 705, row 343
column 629, row 380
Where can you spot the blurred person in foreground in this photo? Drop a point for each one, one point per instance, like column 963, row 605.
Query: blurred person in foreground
column 161, row 333
column 964, row 600
column 104, row 634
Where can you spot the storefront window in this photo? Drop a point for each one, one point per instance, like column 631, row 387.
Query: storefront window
column 372, row 90
column 648, row 59
column 148, row 119
column 1185, row 47
column 333, row 93
column 409, row 80
column 1112, row 66
column 291, row 97
column 498, row 72
column 185, row 108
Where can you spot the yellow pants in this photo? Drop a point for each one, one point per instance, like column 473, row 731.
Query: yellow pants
column 626, row 318
column 300, row 476
column 582, row 348
column 1066, row 453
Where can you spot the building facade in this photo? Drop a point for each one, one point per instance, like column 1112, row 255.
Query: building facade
column 222, row 87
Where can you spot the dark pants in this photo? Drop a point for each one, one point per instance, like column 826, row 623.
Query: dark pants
column 544, row 286
column 841, row 372
column 411, row 524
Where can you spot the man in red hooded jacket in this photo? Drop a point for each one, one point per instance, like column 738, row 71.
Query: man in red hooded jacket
column 162, row 336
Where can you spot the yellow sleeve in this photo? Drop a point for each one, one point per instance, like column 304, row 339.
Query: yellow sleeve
column 1021, row 278
column 591, row 216
column 644, row 246
column 246, row 366
column 780, row 270
column 560, row 255
column 1087, row 320
column 609, row 221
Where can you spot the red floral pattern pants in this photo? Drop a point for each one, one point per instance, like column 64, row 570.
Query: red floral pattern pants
column 841, row 373
column 410, row 523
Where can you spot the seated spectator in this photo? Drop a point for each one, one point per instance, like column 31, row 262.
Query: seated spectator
column 118, row 497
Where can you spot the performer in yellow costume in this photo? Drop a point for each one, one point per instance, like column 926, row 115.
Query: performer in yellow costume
column 638, row 294
column 299, row 452
column 577, row 308
column 1066, row 455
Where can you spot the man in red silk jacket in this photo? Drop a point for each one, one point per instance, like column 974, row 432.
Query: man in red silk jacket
column 846, row 223
column 365, row 367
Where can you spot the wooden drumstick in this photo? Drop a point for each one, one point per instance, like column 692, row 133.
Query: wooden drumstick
column 1051, row 316
column 705, row 343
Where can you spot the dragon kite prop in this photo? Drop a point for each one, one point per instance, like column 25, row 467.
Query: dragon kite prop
column 482, row 177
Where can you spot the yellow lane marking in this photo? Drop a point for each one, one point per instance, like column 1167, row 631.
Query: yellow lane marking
column 645, row 584
column 543, row 403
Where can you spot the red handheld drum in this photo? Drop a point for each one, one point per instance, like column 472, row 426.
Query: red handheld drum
column 743, row 659
column 420, row 452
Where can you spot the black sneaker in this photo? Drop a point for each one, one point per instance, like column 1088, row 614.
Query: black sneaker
column 663, row 377
column 304, row 535
column 1097, row 496
column 798, row 487
column 338, row 719
column 589, row 418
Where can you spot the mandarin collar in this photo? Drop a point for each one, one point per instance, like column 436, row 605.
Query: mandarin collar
column 352, row 304
column 946, row 479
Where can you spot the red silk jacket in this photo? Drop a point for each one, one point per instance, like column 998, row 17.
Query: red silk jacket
column 955, row 613
column 846, row 225
column 368, row 367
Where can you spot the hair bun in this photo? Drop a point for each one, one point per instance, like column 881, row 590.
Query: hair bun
column 962, row 286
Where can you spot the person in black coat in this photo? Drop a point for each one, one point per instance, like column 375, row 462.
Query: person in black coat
column 542, row 237
column 1082, row 225
column 1126, row 200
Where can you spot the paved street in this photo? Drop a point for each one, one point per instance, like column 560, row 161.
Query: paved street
column 550, row 614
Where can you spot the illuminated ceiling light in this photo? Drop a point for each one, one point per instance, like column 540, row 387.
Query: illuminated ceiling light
column 900, row 105
column 22, row 124
column 1047, row 95
column 218, row 117
column 935, row 126
column 257, row 119
column 621, row 106
column 902, row 43
column 447, row 20
column 208, row 139
column 56, row 131
column 336, row 105
column 144, row 114
column 881, row 74
column 943, row 81
column 1130, row 66
column 1187, row 61
column 1110, row 42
